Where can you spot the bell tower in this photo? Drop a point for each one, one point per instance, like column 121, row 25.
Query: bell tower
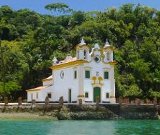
column 82, row 51
column 108, row 52
column 96, row 53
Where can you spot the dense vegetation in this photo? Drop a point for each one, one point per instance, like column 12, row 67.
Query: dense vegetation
column 30, row 40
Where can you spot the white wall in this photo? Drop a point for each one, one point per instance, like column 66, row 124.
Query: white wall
column 106, row 87
column 41, row 94
column 32, row 96
column 47, row 83
column 61, row 86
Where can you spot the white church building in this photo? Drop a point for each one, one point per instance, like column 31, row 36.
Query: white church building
column 88, row 76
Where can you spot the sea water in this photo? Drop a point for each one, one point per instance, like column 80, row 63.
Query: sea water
column 43, row 127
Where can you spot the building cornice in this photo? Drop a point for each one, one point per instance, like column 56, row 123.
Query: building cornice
column 112, row 63
column 36, row 89
column 68, row 64
column 109, row 48
column 45, row 80
column 79, row 47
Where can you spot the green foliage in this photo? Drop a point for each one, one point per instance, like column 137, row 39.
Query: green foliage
column 13, row 66
column 10, row 87
column 30, row 41
column 58, row 7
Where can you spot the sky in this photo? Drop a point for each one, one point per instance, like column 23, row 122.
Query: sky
column 83, row 5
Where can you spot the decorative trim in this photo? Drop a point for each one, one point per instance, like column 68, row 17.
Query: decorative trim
column 97, row 84
column 32, row 91
column 106, row 69
column 68, row 64
column 79, row 96
column 94, row 78
column 79, row 47
column 99, row 79
column 87, row 68
column 109, row 48
column 45, row 80
column 36, row 89
column 112, row 63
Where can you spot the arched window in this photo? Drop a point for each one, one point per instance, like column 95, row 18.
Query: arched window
column 108, row 56
column 85, row 54
column 77, row 54
column 31, row 96
column 75, row 74
column 37, row 95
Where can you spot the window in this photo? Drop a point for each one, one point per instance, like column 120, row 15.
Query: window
column 107, row 95
column 37, row 95
column 78, row 54
column 49, row 95
column 75, row 74
column 106, row 75
column 62, row 74
column 97, row 59
column 86, row 94
column 85, row 56
column 108, row 56
column 31, row 96
column 87, row 74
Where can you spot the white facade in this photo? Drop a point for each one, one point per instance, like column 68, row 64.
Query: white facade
column 88, row 76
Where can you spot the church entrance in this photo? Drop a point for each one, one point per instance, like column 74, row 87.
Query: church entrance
column 96, row 93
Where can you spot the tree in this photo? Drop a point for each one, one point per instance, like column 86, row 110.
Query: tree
column 58, row 7
column 31, row 40
column 2, row 67
column 13, row 67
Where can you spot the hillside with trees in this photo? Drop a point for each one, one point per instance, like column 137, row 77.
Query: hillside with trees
column 30, row 40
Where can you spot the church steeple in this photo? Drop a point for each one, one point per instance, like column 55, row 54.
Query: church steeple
column 82, row 42
column 82, row 50
column 54, row 61
column 108, row 52
column 107, row 44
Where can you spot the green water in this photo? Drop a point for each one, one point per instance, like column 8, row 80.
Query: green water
column 121, row 127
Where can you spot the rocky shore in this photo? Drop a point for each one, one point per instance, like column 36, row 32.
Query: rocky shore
column 25, row 116
column 83, row 112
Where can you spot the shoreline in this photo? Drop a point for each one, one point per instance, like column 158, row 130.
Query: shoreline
column 36, row 116
column 25, row 116
column 83, row 112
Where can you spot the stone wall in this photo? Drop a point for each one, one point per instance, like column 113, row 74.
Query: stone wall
column 139, row 111
column 85, row 112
